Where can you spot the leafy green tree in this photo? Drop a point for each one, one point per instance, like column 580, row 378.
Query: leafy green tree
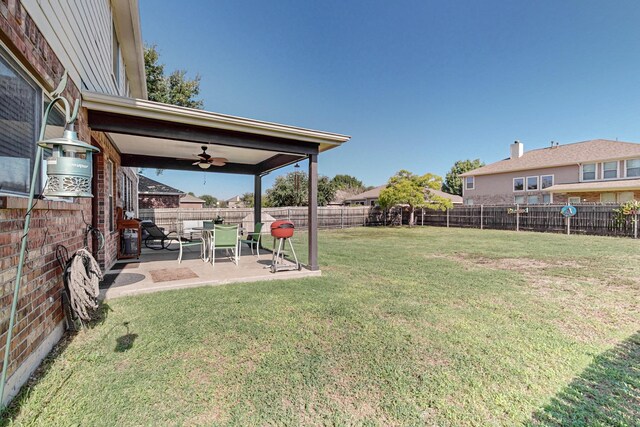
column 247, row 200
column 406, row 188
column 284, row 191
column 175, row 89
column 209, row 201
column 452, row 181
column 347, row 182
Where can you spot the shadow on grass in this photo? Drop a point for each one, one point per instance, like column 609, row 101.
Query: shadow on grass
column 606, row 394
column 12, row 411
column 125, row 342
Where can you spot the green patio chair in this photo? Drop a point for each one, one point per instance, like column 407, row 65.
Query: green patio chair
column 225, row 237
column 254, row 238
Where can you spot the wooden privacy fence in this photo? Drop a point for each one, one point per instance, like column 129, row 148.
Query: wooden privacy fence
column 328, row 217
column 589, row 219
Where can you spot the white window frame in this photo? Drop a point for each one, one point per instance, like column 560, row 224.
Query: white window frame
column 537, row 183
column 473, row 183
column 524, row 181
column 550, row 202
column 574, row 202
column 515, row 199
column 533, row 195
column 619, row 196
column 617, row 169
column 468, row 202
column 553, row 181
column 595, row 172
column 626, row 175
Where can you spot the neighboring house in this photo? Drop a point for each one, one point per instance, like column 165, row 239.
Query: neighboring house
column 596, row 171
column 191, row 202
column 370, row 197
column 154, row 195
column 235, row 202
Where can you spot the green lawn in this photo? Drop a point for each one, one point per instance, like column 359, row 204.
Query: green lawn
column 424, row 326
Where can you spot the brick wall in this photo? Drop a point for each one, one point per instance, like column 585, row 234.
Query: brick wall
column 152, row 201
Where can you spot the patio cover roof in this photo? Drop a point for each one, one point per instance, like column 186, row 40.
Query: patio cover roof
column 156, row 135
column 597, row 186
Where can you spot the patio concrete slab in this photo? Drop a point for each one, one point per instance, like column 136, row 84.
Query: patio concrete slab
column 159, row 271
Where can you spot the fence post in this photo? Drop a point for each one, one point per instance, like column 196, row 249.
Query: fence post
column 517, row 217
column 568, row 225
column 481, row 217
column 342, row 217
column 422, row 218
column 447, row 217
column 635, row 226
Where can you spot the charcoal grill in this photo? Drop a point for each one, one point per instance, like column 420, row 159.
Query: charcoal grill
column 282, row 231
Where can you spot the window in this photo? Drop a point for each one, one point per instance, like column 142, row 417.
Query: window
column 518, row 200
column 469, row 183
column 574, row 200
column 589, row 172
column 373, row 203
column 547, row 199
column 532, row 183
column 108, row 188
column 546, row 181
column 632, row 167
column 625, row 196
column 468, row 202
column 607, row 197
column 518, row 184
column 610, row 170
column 533, row 200
column 20, row 112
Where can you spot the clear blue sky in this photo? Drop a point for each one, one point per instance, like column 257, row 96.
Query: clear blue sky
column 417, row 84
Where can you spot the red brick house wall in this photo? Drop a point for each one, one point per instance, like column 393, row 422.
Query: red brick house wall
column 156, row 201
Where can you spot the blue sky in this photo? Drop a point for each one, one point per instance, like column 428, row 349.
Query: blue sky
column 417, row 84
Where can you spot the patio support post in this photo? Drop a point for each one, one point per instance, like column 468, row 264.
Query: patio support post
column 257, row 198
column 313, row 212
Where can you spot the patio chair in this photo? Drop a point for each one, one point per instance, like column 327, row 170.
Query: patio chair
column 254, row 238
column 155, row 234
column 225, row 237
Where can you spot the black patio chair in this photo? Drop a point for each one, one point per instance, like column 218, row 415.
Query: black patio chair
column 155, row 234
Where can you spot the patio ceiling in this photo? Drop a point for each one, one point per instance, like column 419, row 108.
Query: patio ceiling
column 156, row 135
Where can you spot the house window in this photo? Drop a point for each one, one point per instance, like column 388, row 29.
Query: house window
column 589, row 172
column 546, row 199
column 373, row 203
column 610, row 170
column 607, row 197
column 518, row 200
column 20, row 112
column 533, row 200
column 546, row 181
column 518, row 184
column 625, row 196
column 632, row 167
column 532, row 183
column 574, row 200
column 108, row 187
column 469, row 183
column 468, row 202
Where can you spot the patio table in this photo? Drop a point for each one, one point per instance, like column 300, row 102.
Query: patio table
column 207, row 236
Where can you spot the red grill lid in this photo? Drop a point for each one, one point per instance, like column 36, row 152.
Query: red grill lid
column 281, row 224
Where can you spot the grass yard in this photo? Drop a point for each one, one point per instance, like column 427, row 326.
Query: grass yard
column 424, row 326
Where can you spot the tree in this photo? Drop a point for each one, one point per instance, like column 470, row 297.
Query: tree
column 247, row 200
column 452, row 181
column 209, row 201
column 347, row 182
column 284, row 191
column 175, row 89
column 405, row 188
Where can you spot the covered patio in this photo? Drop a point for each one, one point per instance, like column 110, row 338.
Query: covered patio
column 149, row 134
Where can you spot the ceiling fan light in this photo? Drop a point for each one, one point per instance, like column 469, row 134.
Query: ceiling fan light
column 204, row 165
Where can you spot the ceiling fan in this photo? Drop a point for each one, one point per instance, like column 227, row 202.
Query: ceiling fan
column 206, row 160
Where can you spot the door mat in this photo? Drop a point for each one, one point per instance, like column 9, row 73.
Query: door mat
column 120, row 279
column 169, row 274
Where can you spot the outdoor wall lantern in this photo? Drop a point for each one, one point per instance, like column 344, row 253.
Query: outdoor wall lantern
column 69, row 175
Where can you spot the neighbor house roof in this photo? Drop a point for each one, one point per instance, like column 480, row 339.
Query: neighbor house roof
column 618, row 185
column 374, row 193
column 188, row 198
column 596, row 150
column 149, row 186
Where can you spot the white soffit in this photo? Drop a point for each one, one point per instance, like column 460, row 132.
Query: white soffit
column 169, row 148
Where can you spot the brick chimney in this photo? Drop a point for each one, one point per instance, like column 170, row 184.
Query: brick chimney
column 517, row 150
